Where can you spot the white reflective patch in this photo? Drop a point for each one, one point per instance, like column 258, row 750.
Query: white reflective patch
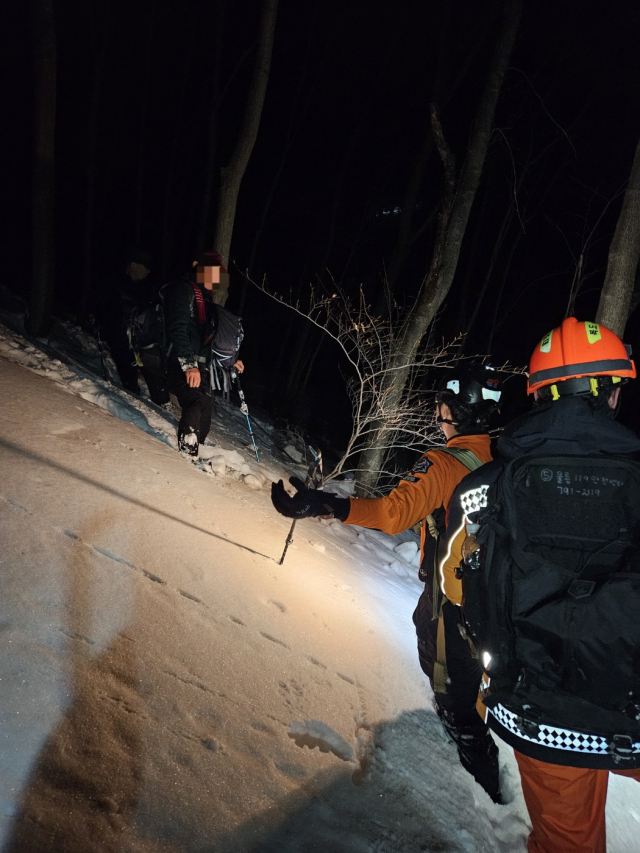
column 474, row 499
column 454, row 385
column 444, row 560
column 486, row 660
column 488, row 394
column 555, row 737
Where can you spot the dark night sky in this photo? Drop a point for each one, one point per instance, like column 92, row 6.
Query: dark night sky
column 346, row 113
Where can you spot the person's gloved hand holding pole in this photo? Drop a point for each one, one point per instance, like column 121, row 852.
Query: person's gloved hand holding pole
column 308, row 503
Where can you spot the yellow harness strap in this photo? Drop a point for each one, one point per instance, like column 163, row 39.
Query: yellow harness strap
column 440, row 674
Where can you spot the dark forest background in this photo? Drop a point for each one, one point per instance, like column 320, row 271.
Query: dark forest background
column 150, row 95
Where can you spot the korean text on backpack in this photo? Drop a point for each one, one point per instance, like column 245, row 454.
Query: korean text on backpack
column 555, row 602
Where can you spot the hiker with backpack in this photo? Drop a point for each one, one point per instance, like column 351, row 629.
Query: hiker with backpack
column 129, row 320
column 543, row 555
column 203, row 340
column 466, row 399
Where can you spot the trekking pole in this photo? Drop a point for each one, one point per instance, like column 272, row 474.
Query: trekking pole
column 315, row 476
column 288, row 542
column 245, row 411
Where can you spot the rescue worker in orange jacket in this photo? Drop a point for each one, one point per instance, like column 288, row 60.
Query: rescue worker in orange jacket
column 466, row 399
column 575, row 376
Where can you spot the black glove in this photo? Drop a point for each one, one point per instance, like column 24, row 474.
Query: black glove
column 308, row 502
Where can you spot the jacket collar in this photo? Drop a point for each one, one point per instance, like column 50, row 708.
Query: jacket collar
column 566, row 427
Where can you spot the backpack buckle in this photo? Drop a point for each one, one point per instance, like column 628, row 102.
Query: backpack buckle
column 581, row 589
column 621, row 748
column 529, row 725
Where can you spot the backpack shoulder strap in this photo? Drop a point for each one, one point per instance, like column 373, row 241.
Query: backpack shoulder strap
column 200, row 306
column 467, row 457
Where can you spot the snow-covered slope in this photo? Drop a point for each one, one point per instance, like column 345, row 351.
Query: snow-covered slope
column 167, row 686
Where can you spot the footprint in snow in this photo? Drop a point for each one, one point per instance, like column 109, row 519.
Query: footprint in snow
column 189, row 596
column 315, row 733
column 274, row 639
column 262, row 727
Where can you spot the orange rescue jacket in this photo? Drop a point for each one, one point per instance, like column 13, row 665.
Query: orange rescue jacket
column 429, row 485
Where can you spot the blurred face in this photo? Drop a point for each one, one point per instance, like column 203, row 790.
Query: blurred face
column 136, row 272
column 208, row 277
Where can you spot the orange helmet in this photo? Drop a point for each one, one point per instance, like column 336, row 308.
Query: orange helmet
column 568, row 360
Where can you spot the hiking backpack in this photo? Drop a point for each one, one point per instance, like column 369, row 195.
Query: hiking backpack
column 555, row 599
column 225, row 338
column 145, row 328
column 228, row 334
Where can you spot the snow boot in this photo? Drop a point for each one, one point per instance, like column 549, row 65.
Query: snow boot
column 477, row 750
column 188, row 443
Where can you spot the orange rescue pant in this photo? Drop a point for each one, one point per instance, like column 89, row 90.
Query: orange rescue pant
column 566, row 806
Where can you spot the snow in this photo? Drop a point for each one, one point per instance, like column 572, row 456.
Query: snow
column 168, row 686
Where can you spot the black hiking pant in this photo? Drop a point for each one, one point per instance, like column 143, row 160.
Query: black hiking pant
column 194, row 402
column 457, row 707
column 154, row 372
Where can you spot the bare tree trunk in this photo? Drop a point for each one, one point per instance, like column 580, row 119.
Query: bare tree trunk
column 624, row 254
column 453, row 218
column 635, row 298
column 218, row 94
column 405, row 241
column 43, row 189
column 233, row 172
column 406, row 235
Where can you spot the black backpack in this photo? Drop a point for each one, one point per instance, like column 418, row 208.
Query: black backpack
column 145, row 327
column 555, row 601
column 224, row 339
column 228, row 334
